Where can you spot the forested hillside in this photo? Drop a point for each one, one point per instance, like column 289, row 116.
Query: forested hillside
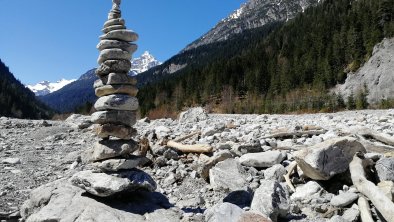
column 18, row 101
column 277, row 68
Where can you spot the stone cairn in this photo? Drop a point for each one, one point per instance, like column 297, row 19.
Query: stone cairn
column 116, row 108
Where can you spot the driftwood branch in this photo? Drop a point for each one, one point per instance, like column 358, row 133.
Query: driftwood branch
column 295, row 134
column 196, row 148
column 365, row 210
column 291, row 167
column 381, row 137
column 180, row 139
column 366, row 187
column 374, row 147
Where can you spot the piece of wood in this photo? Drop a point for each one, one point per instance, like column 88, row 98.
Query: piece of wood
column 291, row 167
column 365, row 210
column 374, row 147
column 295, row 134
column 382, row 203
column 180, row 139
column 196, row 148
column 381, row 137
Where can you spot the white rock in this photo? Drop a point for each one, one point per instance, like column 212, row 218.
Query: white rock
column 344, row 199
column 306, row 191
column 223, row 212
column 264, row 159
column 12, row 161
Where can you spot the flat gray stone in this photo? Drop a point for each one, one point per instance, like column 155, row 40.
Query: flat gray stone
column 352, row 214
column 115, row 44
column 100, row 184
column 114, row 165
column 271, row 200
column 344, row 199
column 112, row 22
column 223, row 212
column 105, row 185
column 113, row 66
column 264, row 159
column 385, row 169
column 117, row 102
column 325, row 160
column 12, row 161
column 113, row 54
column 106, row 149
column 112, row 28
column 115, row 79
column 122, row 35
column 241, row 149
column 228, row 175
column 127, row 118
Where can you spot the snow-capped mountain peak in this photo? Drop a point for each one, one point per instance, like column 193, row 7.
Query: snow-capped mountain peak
column 46, row 87
column 143, row 63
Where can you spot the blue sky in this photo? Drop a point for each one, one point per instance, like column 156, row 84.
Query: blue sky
column 50, row 40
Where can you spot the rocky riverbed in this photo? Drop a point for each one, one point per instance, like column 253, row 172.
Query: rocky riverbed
column 241, row 179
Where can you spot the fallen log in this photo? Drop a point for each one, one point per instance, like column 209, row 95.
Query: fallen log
column 381, row 137
column 373, row 147
column 196, row 148
column 382, row 203
column 295, row 134
column 365, row 210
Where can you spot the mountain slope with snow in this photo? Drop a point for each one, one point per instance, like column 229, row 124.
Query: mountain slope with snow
column 253, row 14
column 45, row 87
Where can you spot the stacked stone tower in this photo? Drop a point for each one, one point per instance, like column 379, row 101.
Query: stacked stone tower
column 113, row 160
column 117, row 104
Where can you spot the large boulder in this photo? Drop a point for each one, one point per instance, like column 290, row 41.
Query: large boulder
column 271, row 199
column 61, row 201
column 325, row 160
column 228, row 175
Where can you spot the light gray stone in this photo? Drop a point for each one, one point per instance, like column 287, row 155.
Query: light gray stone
column 115, row 44
column 228, row 175
column 337, row 218
column 271, row 200
column 113, row 165
column 112, row 28
column 264, row 159
column 105, row 185
column 117, row 102
column 115, row 79
column 276, row 172
column 100, row 184
column 223, row 212
column 352, row 214
column 112, row 22
column 127, row 118
column 113, row 66
column 325, row 160
column 11, row 161
column 306, row 191
column 387, row 187
column 385, row 169
column 344, row 199
column 113, row 54
column 122, row 35
column 205, row 164
column 106, row 149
